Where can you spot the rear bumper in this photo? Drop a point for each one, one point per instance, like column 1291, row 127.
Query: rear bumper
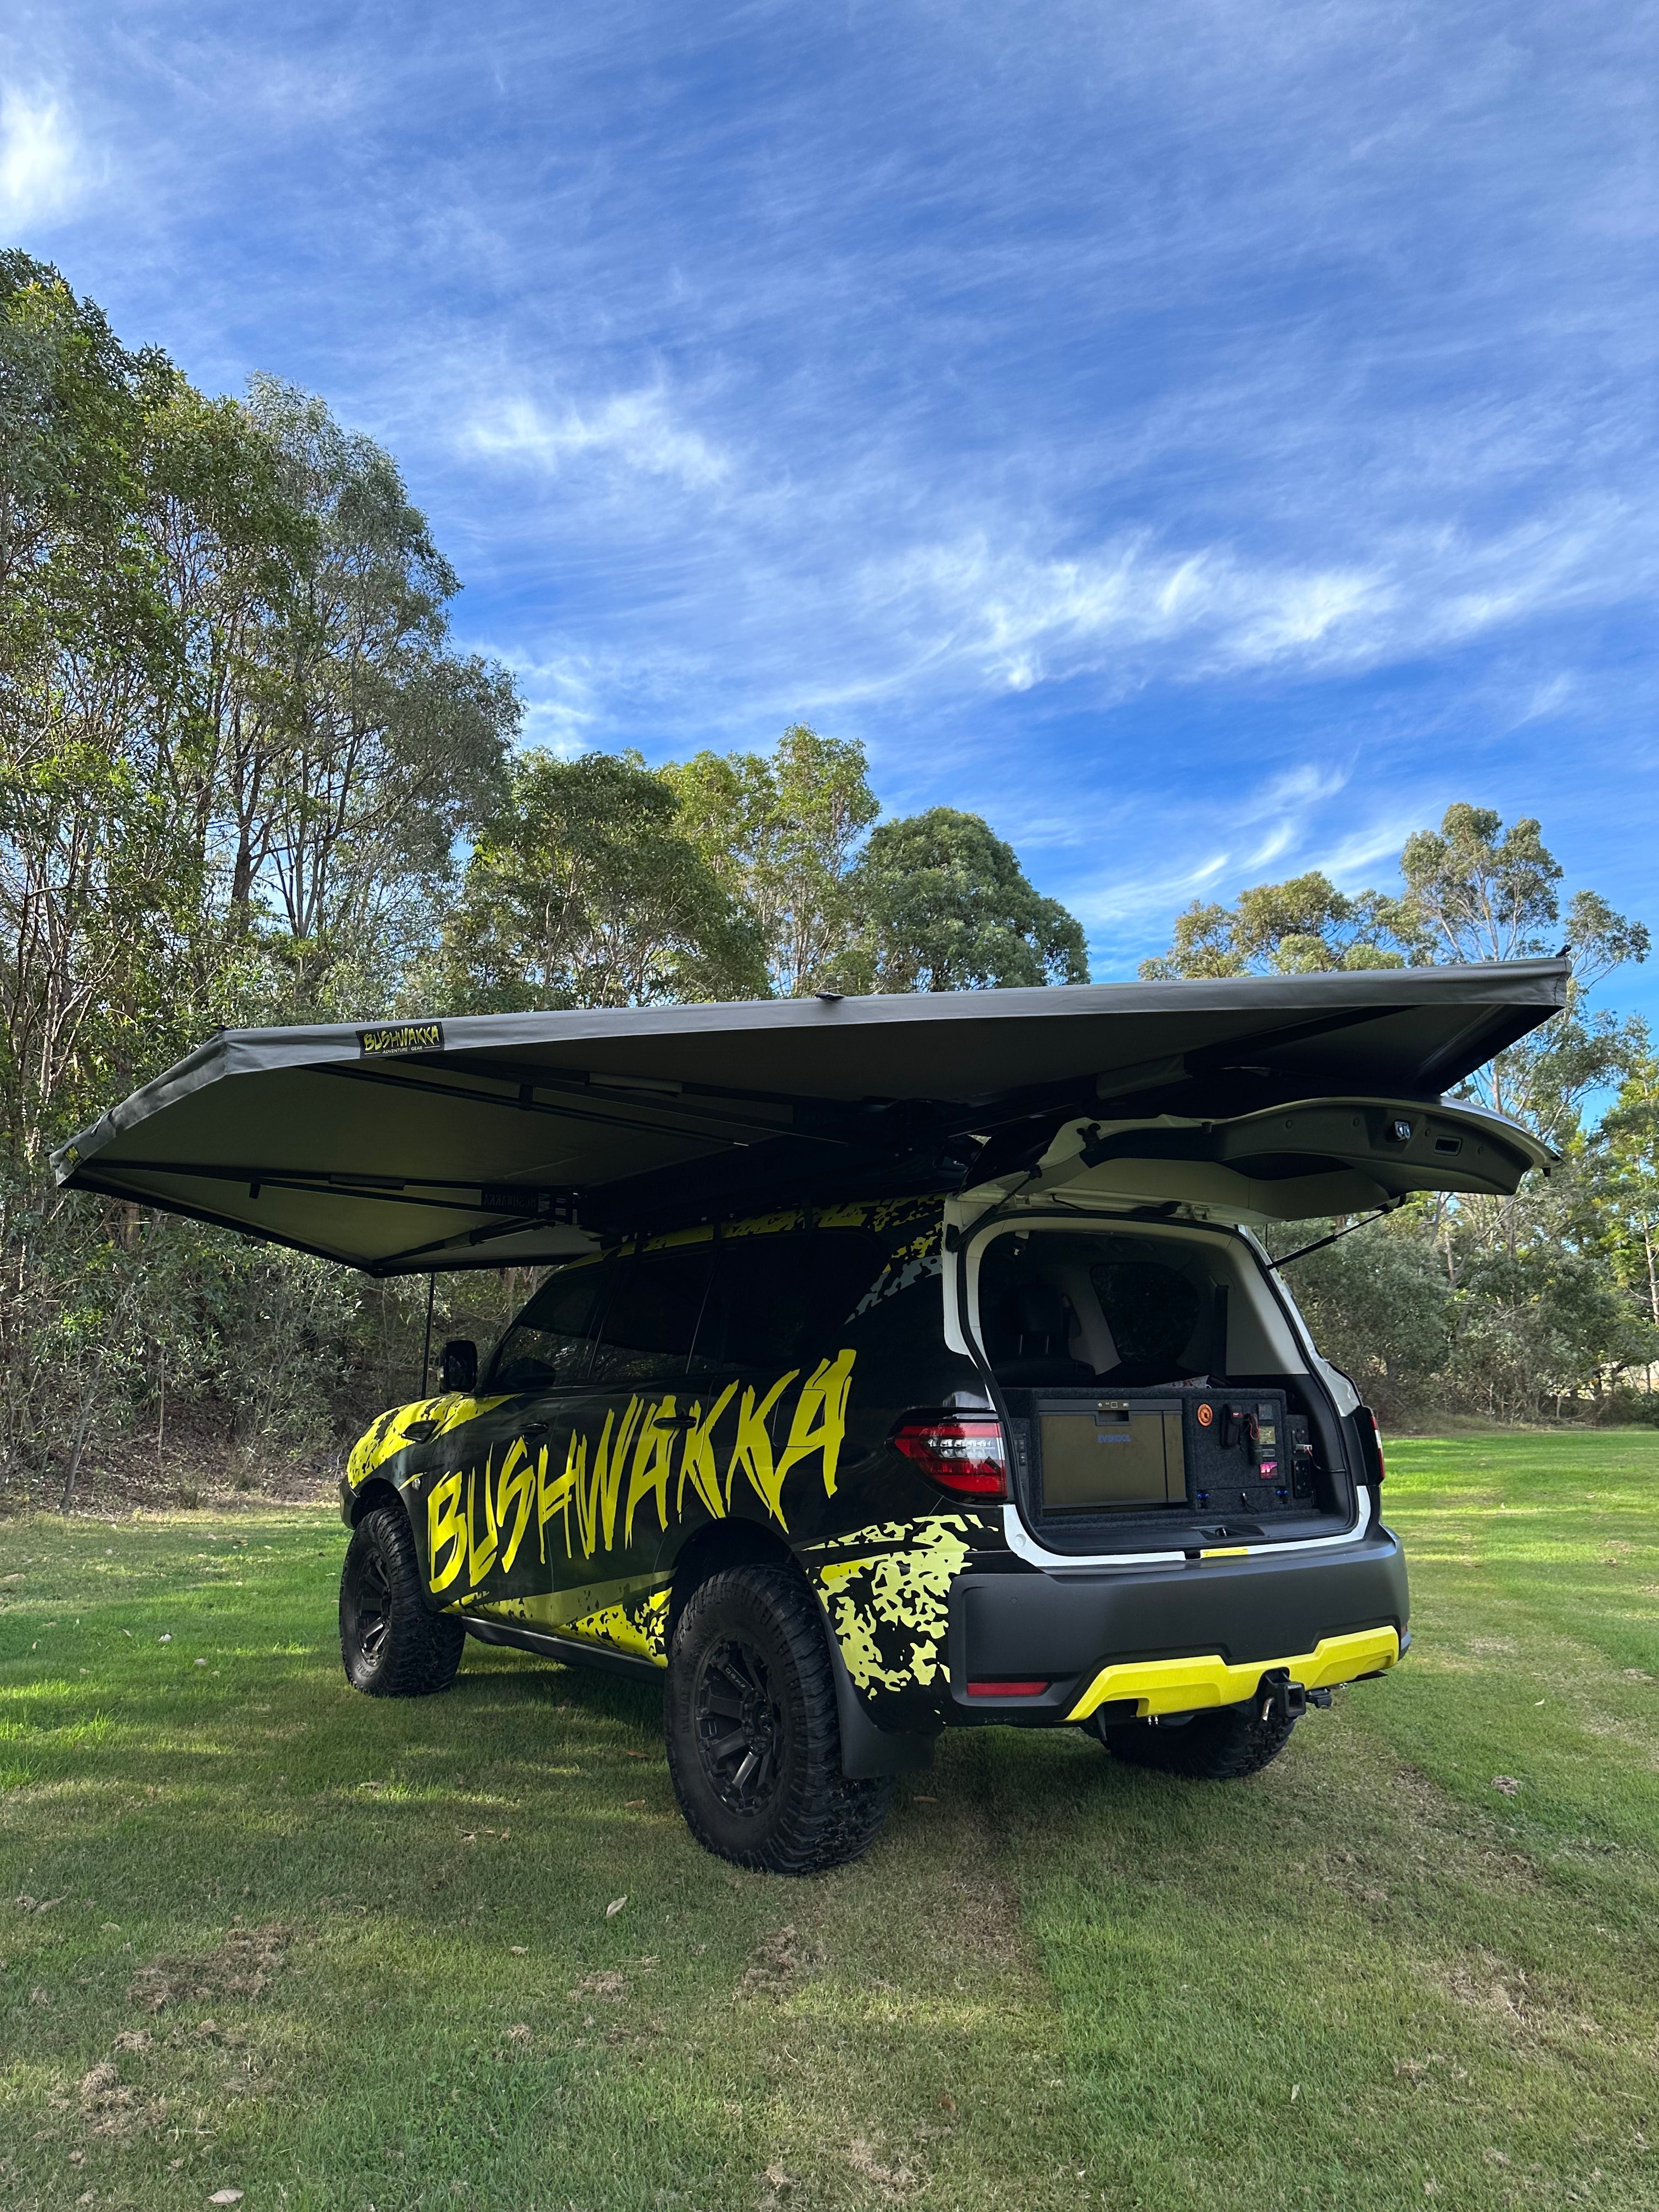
column 1171, row 1640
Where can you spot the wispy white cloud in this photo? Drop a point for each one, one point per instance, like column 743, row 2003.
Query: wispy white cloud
column 635, row 432
column 1295, row 791
column 1128, row 899
column 562, row 700
column 39, row 171
column 1136, row 610
column 1547, row 697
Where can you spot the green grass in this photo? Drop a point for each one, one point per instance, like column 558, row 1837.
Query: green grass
column 338, row 1953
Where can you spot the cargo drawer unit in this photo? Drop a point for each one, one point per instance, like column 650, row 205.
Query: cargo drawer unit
column 1220, row 1451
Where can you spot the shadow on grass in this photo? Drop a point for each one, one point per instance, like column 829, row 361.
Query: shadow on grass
column 595, row 1694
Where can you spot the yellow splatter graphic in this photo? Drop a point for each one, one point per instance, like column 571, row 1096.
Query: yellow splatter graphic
column 390, row 1434
column 638, row 1627
column 890, row 1607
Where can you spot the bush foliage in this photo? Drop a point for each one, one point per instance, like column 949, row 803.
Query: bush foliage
column 247, row 776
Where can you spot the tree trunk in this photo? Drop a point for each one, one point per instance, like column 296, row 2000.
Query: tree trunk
column 82, row 1429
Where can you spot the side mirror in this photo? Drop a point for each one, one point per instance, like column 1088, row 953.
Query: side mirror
column 459, row 1367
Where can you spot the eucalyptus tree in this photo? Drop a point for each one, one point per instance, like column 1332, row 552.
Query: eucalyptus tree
column 584, row 890
column 1625, row 1167
column 97, row 887
column 372, row 744
column 944, row 905
column 781, row 832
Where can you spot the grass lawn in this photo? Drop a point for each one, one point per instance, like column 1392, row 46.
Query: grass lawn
column 258, row 1933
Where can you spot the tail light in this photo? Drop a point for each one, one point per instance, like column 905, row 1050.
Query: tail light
column 1371, row 1444
column 964, row 1456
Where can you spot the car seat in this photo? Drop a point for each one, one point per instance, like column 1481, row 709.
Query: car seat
column 1037, row 1325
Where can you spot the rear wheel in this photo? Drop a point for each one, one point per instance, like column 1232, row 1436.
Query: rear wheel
column 394, row 1646
column 1224, row 1746
column 753, row 1744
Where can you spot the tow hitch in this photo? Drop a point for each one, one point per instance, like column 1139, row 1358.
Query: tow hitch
column 1286, row 1700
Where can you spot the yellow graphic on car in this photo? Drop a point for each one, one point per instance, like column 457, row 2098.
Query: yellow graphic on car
column 403, row 1425
column 889, row 1607
column 481, row 1515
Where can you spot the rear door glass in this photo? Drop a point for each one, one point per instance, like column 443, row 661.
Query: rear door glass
column 650, row 1328
column 778, row 1301
column 1072, row 1308
column 1152, row 1309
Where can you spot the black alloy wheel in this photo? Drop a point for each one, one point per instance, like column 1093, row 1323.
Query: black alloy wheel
column 754, row 1742
column 739, row 1725
column 393, row 1645
column 373, row 1607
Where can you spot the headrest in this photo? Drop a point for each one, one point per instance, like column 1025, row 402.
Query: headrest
column 1040, row 1311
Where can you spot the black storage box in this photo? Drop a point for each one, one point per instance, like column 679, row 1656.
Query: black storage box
column 1223, row 1451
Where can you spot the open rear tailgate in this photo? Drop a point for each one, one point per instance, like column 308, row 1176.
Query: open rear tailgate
column 1308, row 1158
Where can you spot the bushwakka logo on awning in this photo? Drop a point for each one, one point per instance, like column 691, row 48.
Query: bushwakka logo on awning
column 401, row 1037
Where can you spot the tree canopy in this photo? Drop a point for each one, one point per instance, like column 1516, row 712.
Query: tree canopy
column 246, row 775
column 944, row 905
column 585, row 889
column 781, row 832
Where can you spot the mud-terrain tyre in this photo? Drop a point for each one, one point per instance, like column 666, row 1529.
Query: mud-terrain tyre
column 393, row 1645
column 754, row 1743
column 1224, row 1746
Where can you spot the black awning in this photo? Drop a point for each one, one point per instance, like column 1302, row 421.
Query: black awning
column 493, row 1139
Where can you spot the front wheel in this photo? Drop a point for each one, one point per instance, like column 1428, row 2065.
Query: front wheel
column 394, row 1646
column 753, row 1744
column 1224, row 1746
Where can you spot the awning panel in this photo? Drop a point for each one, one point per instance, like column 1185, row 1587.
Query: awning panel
column 488, row 1140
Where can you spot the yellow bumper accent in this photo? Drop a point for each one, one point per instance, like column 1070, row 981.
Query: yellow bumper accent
column 1186, row 1685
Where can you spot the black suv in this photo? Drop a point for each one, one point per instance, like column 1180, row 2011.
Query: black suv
column 903, row 1363
column 856, row 1476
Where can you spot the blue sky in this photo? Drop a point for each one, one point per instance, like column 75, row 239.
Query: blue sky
column 1205, row 437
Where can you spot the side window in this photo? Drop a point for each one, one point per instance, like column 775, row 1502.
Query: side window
column 552, row 1339
column 778, row 1300
column 656, row 1301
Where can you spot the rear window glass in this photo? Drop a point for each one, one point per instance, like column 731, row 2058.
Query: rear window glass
column 650, row 1326
column 552, row 1339
column 1151, row 1308
column 778, row 1300
column 1059, row 1308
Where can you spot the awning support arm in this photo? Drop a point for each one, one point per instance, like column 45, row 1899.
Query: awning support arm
column 675, row 1120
